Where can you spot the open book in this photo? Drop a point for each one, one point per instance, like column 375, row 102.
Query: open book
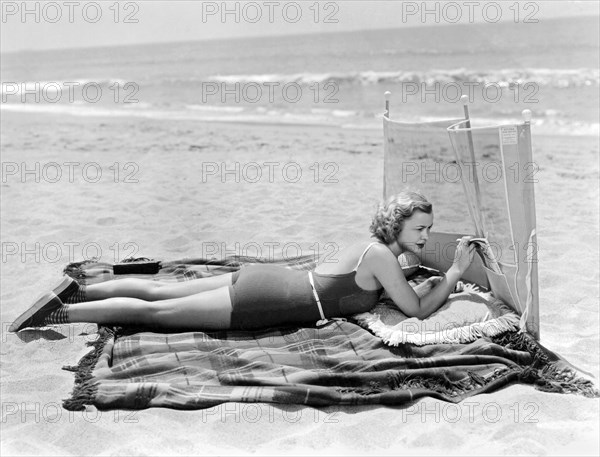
column 486, row 253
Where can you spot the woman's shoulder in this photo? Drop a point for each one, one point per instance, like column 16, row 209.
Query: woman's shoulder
column 375, row 249
column 363, row 249
column 366, row 245
column 349, row 257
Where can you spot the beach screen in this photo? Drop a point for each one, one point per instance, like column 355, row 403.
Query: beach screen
column 480, row 181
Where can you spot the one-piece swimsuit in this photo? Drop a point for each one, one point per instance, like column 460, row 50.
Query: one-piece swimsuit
column 272, row 295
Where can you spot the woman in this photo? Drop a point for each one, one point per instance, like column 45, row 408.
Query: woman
column 268, row 295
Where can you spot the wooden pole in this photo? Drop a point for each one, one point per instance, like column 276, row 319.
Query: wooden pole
column 387, row 96
column 479, row 223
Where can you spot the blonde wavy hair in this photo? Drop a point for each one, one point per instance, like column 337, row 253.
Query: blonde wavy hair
column 389, row 218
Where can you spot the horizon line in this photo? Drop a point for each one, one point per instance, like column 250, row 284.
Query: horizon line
column 278, row 35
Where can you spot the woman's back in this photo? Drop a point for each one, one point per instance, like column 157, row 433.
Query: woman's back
column 352, row 259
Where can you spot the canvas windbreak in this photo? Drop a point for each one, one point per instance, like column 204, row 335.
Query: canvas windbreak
column 483, row 180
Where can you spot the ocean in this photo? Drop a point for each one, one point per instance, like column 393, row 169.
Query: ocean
column 337, row 79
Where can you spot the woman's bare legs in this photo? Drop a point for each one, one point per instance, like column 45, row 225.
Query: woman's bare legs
column 148, row 290
column 208, row 310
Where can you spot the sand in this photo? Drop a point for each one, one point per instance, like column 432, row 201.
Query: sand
column 170, row 201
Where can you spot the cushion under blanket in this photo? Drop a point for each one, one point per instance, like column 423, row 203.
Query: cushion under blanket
column 340, row 363
column 466, row 316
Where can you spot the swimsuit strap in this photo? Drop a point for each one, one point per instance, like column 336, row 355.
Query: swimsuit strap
column 363, row 254
column 323, row 320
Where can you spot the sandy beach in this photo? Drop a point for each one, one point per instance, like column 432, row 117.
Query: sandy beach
column 77, row 187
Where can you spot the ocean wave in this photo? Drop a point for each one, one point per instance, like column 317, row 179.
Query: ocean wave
column 550, row 125
column 257, row 116
column 215, row 109
column 539, row 126
column 335, row 112
column 550, row 77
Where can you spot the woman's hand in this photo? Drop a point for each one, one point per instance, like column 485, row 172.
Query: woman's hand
column 464, row 254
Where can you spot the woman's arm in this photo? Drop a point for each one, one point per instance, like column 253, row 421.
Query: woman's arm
column 432, row 301
column 388, row 272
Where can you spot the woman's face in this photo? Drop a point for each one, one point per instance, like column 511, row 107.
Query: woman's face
column 415, row 232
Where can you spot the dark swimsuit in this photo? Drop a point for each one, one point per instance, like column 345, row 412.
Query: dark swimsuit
column 271, row 295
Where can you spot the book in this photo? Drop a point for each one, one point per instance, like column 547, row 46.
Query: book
column 486, row 253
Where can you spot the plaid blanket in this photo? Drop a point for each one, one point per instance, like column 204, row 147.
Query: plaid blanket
column 340, row 363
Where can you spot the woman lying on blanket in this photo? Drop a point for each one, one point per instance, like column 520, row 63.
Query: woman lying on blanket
column 258, row 296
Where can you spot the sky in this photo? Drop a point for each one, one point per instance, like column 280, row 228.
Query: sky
column 76, row 24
